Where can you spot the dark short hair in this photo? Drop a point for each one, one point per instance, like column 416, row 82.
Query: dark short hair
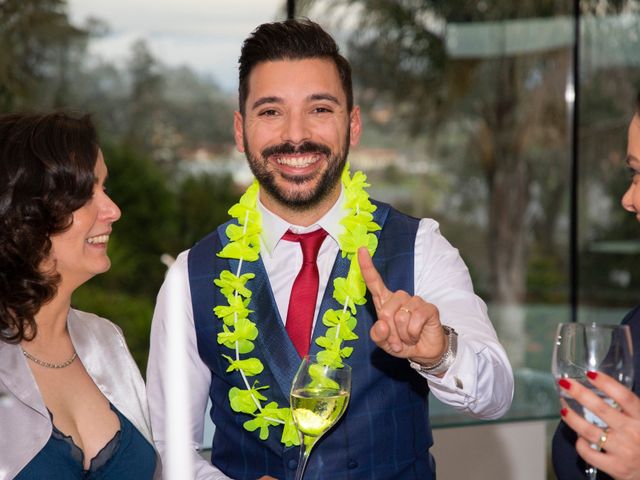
column 290, row 40
column 47, row 164
column 638, row 103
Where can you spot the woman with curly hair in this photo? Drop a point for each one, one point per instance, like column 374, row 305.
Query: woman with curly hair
column 76, row 404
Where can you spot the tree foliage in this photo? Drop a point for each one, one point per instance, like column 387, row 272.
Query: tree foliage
column 203, row 202
column 36, row 40
column 149, row 116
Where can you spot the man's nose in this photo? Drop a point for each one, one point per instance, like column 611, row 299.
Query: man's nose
column 295, row 129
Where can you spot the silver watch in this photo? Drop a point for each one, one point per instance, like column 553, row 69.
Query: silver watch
column 447, row 358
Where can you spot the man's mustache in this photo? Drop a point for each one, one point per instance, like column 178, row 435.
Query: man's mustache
column 290, row 149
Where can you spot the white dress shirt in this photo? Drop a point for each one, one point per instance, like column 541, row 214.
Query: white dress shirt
column 479, row 383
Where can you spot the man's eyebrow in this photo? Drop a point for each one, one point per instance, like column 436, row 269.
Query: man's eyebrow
column 263, row 100
column 324, row 96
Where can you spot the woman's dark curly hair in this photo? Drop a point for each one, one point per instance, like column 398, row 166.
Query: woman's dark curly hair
column 47, row 166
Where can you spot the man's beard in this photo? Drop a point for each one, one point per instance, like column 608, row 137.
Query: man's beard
column 305, row 199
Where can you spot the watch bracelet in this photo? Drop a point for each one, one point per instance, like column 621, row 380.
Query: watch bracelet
column 447, row 358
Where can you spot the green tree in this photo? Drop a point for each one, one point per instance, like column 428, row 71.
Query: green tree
column 145, row 113
column 198, row 108
column 37, row 44
column 203, row 202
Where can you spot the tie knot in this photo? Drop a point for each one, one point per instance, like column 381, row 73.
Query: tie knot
column 309, row 242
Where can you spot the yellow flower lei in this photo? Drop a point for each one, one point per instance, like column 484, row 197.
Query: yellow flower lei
column 239, row 331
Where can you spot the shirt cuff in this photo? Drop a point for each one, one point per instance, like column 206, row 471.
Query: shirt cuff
column 457, row 387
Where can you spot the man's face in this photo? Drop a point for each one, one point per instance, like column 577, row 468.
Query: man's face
column 296, row 132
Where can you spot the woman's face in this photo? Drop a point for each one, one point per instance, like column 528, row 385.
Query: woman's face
column 80, row 252
column 631, row 198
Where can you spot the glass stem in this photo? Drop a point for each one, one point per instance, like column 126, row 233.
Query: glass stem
column 305, row 450
column 592, row 472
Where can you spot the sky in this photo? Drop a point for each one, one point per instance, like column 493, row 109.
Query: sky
column 205, row 35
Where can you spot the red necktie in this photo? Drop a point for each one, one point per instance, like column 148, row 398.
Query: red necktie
column 304, row 293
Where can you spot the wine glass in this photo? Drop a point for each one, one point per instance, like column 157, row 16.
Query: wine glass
column 319, row 397
column 580, row 348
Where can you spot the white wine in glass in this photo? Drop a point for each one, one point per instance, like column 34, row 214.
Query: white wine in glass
column 319, row 397
column 580, row 348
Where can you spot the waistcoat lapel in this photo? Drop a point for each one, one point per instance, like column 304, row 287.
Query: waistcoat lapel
column 341, row 269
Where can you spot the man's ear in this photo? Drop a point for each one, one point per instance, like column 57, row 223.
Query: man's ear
column 238, row 130
column 355, row 126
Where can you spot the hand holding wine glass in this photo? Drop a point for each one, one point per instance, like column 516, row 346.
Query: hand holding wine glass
column 580, row 352
column 620, row 456
column 319, row 397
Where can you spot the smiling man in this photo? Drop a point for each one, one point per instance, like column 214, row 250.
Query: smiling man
column 287, row 276
column 296, row 135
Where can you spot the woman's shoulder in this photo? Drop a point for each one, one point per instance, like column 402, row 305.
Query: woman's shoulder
column 80, row 320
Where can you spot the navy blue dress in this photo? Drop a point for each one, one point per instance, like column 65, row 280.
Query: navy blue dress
column 128, row 455
column 566, row 462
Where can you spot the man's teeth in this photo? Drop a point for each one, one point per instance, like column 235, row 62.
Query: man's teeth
column 298, row 162
column 98, row 239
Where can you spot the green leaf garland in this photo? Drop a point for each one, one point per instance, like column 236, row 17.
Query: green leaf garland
column 239, row 331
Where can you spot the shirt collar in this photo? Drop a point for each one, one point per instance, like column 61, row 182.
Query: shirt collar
column 274, row 227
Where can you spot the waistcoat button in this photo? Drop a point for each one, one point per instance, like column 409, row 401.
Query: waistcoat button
column 292, row 464
column 352, row 464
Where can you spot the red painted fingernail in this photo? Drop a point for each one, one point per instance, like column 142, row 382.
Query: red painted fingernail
column 564, row 383
column 563, row 412
column 592, row 375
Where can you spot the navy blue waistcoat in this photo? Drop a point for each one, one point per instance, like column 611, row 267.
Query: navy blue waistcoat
column 567, row 464
column 385, row 432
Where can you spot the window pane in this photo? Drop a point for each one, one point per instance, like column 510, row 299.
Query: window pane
column 610, row 80
column 467, row 122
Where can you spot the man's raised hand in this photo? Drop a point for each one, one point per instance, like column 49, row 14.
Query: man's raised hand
column 407, row 326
